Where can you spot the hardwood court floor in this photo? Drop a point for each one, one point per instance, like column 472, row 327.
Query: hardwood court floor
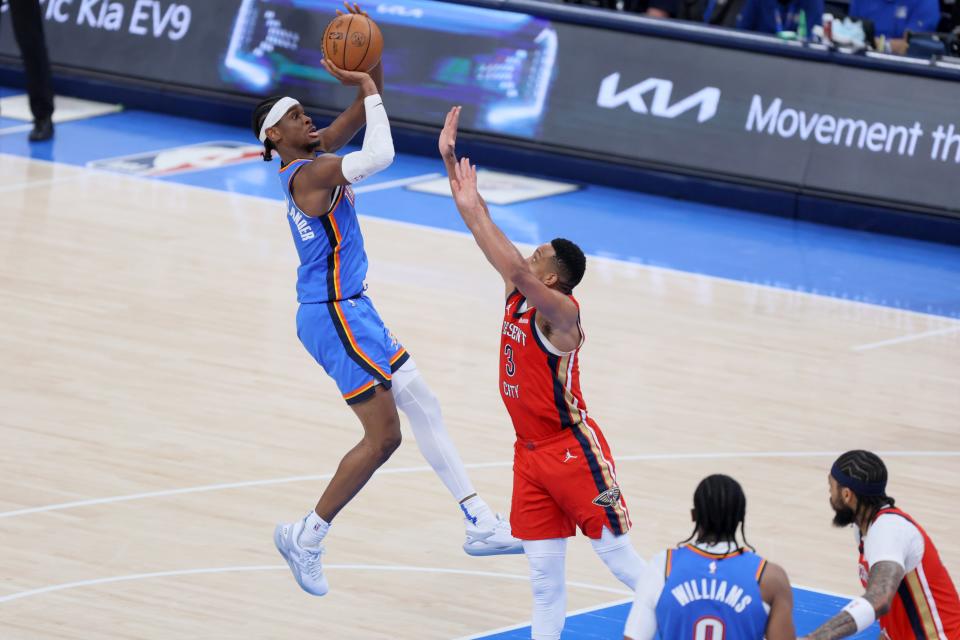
column 148, row 345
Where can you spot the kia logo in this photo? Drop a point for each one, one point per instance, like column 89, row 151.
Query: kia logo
column 706, row 100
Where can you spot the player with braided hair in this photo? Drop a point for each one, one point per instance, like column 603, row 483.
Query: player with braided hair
column 715, row 586
column 907, row 587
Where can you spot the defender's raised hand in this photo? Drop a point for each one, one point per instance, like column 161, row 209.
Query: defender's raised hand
column 465, row 191
column 448, row 136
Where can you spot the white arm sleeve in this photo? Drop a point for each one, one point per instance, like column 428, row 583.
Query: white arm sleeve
column 893, row 539
column 642, row 621
column 377, row 151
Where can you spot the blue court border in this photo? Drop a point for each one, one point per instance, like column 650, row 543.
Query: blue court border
column 644, row 229
column 810, row 610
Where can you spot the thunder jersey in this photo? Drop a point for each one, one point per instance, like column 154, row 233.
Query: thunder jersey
column 333, row 263
column 540, row 385
column 926, row 606
column 710, row 596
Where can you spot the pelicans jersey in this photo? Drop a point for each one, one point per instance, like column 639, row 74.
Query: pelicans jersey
column 711, row 596
column 564, row 475
column 336, row 322
column 926, row 606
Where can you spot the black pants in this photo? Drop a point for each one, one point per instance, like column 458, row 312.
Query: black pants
column 27, row 20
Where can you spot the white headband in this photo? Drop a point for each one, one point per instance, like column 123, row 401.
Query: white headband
column 277, row 111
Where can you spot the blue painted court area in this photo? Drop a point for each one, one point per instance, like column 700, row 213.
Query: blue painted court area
column 810, row 610
column 650, row 230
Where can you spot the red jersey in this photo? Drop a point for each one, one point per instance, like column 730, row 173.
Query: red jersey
column 563, row 471
column 540, row 385
column 926, row 606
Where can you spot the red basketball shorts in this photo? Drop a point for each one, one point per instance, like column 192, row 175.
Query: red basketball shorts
column 564, row 482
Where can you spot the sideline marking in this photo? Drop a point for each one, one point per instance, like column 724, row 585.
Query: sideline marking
column 282, row 567
column 477, row 465
column 907, row 338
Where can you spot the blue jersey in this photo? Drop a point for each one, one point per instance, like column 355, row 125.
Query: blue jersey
column 333, row 263
column 892, row 17
column 771, row 16
column 711, row 597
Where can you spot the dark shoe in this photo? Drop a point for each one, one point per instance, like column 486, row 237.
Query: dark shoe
column 42, row 130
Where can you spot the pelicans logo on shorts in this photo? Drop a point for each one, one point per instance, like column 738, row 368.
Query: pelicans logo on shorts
column 608, row 498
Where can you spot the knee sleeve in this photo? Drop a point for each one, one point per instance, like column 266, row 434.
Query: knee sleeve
column 548, row 583
column 620, row 557
column 415, row 399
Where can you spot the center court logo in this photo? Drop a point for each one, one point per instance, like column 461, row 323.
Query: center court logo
column 184, row 159
column 660, row 93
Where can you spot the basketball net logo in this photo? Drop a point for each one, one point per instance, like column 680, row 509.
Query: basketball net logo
column 608, row 498
column 707, row 100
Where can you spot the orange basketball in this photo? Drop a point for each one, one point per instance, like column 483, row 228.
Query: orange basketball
column 353, row 42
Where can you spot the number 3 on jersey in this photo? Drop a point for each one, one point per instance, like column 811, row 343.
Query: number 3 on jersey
column 708, row 629
column 511, row 366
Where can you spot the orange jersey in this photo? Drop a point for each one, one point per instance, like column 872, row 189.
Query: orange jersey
column 540, row 385
column 926, row 605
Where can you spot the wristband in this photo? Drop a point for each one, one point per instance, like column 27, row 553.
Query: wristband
column 862, row 613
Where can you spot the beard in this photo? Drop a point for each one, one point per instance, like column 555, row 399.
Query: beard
column 843, row 516
column 316, row 144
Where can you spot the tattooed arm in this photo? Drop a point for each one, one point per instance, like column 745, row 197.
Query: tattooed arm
column 882, row 586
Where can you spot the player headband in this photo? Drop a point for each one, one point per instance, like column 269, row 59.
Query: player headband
column 276, row 112
column 857, row 486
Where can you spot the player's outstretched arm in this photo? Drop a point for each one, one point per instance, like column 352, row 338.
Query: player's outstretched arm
column 558, row 309
column 471, row 205
column 775, row 590
column 347, row 124
column 498, row 249
column 882, row 586
column 448, row 145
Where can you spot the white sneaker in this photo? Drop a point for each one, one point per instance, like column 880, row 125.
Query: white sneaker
column 304, row 562
column 491, row 542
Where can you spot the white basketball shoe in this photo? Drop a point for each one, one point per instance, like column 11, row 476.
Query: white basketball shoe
column 491, row 542
column 304, row 562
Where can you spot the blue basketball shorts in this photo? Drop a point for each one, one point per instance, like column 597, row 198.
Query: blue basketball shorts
column 349, row 340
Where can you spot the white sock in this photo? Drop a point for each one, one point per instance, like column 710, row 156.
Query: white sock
column 314, row 530
column 478, row 513
column 422, row 409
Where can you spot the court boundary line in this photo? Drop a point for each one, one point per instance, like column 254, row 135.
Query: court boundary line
column 23, row 186
column 910, row 337
column 18, row 595
column 17, row 128
column 476, row 465
column 413, row 225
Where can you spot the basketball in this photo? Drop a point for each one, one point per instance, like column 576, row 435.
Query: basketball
column 353, row 42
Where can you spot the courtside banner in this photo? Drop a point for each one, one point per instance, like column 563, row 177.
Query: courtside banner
column 804, row 125
column 497, row 64
column 157, row 40
column 810, row 125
